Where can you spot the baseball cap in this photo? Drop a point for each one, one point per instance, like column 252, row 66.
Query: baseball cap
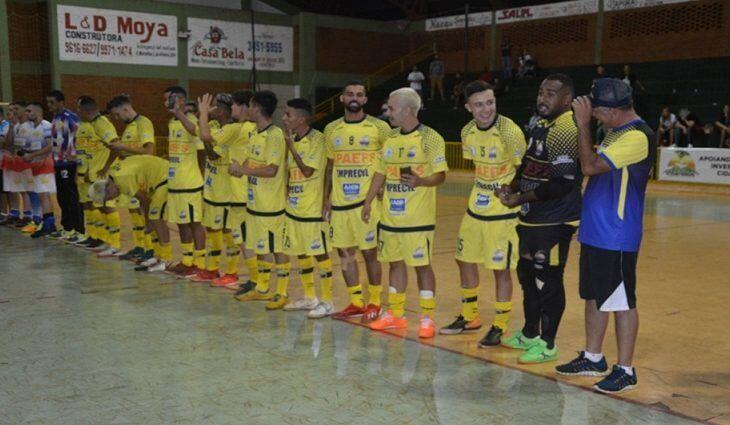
column 610, row 93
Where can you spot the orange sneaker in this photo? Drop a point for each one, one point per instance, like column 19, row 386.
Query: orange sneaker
column 349, row 312
column 29, row 228
column 388, row 321
column 370, row 313
column 225, row 280
column 205, row 276
column 427, row 328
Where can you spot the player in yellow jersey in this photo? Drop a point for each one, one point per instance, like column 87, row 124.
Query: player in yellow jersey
column 234, row 234
column 488, row 233
column 93, row 137
column 305, row 235
column 138, row 138
column 144, row 177
column 185, row 182
column 352, row 144
column 267, row 193
column 410, row 165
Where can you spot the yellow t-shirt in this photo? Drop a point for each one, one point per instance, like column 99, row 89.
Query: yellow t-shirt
column 353, row 147
column 139, row 173
column 424, row 151
column 184, row 172
column 238, row 150
column 268, row 194
column 497, row 153
column 138, row 133
column 217, row 188
column 92, row 138
column 306, row 193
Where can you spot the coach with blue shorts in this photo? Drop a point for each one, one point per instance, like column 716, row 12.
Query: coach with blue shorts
column 611, row 228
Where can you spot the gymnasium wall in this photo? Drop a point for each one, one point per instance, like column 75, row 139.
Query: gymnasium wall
column 29, row 49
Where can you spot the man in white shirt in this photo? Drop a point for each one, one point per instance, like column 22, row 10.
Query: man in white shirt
column 667, row 131
column 415, row 79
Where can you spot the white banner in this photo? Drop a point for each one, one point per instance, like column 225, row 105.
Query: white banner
column 117, row 36
column 698, row 165
column 457, row 21
column 554, row 10
column 224, row 44
column 611, row 5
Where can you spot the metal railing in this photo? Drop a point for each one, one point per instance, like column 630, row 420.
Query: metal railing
column 399, row 65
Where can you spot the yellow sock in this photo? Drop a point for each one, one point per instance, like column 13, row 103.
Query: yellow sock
column 397, row 303
column 199, row 259
column 98, row 225
column 375, row 291
column 187, row 253
column 262, row 284
column 164, row 251
column 155, row 242
column 282, row 278
column 232, row 254
column 306, row 273
column 469, row 307
column 149, row 244
column 138, row 238
column 89, row 229
column 253, row 269
column 113, row 226
column 325, row 279
column 356, row 297
column 502, row 310
column 428, row 303
column 214, row 243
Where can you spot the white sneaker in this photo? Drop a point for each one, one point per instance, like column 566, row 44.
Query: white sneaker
column 67, row 234
column 109, row 252
column 147, row 263
column 302, row 304
column 323, row 309
column 159, row 266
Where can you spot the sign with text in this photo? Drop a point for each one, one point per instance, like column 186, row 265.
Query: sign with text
column 228, row 45
column 457, row 21
column 698, row 165
column 611, row 5
column 545, row 11
column 117, row 36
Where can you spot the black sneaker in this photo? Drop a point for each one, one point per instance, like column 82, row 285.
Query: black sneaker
column 618, row 381
column 141, row 268
column 244, row 289
column 581, row 366
column 132, row 254
column 93, row 244
column 145, row 256
column 44, row 231
column 56, row 235
column 460, row 325
column 492, row 338
column 84, row 243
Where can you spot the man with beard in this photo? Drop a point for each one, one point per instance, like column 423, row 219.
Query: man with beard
column 548, row 188
column 352, row 144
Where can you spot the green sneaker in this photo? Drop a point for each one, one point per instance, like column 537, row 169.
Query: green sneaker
column 539, row 353
column 519, row 341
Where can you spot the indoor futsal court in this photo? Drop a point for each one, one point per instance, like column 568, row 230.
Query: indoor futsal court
column 272, row 212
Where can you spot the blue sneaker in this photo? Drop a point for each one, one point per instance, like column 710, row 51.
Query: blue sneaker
column 618, row 381
column 581, row 366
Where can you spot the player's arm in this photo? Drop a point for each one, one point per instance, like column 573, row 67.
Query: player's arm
column 42, row 152
column 307, row 171
column 189, row 126
column 205, row 105
column 9, row 137
column 375, row 186
column 590, row 162
column 327, row 189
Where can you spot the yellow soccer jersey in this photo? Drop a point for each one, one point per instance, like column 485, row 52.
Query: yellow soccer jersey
column 91, row 140
column 353, row 147
column 268, row 194
column 238, row 151
column 184, row 172
column 497, row 153
column 306, row 193
column 139, row 172
column 217, row 188
column 423, row 150
column 138, row 133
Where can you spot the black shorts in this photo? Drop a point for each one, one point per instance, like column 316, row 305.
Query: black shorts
column 608, row 277
column 546, row 245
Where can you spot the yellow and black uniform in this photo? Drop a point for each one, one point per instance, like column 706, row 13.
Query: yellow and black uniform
column 353, row 147
column 216, row 196
column 266, row 202
column 409, row 214
column 488, row 232
column 305, row 232
column 144, row 173
column 238, row 150
column 92, row 138
column 137, row 133
column 184, row 179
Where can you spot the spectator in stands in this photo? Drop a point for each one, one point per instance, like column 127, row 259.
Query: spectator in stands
column 633, row 81
column 526, row 65
column 693, row 131
column 436, row 73
column 723, row 125
column 457, row 92
column 506, row 49
column 384, row 111
column 415, row 80
column 667, row 133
